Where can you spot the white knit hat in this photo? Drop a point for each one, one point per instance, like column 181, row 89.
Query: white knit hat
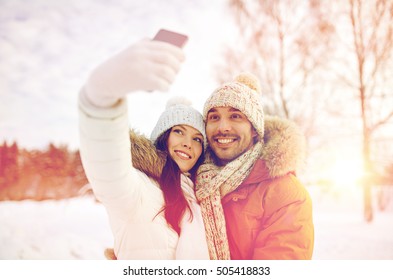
column 244, row 94
column 178, row 111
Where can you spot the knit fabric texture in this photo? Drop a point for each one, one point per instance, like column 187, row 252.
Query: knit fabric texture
column 213, row 183
column 178, row 112
column 244, row 94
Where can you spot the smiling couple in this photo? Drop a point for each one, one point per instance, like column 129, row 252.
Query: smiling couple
column 217, row 185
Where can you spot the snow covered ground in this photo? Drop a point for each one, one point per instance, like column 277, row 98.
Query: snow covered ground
column 342, row 234
column 78, row 229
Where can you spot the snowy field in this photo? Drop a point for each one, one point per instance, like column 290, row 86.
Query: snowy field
column 76, row 229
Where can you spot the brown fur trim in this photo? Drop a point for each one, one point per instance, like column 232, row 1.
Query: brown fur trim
column 145, row 156
column 284, row 147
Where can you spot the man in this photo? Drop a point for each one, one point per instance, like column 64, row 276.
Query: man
column 253, row 205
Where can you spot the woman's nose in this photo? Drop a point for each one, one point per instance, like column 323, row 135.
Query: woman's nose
column 187, row 143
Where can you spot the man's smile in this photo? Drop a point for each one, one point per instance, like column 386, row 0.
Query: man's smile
column 225, row 140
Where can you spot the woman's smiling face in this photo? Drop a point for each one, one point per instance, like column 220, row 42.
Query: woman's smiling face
column 185, row 145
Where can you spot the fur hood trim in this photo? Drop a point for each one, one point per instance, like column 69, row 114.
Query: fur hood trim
column 283, row 150
column 145, row 156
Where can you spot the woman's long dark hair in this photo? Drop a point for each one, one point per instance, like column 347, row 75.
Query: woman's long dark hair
column 176, row 204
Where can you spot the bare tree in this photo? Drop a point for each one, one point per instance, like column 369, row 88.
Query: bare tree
column 298, row 48
column 286, row 43
column 371, row 23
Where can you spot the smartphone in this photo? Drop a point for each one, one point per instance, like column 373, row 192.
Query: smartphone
column 171, row 37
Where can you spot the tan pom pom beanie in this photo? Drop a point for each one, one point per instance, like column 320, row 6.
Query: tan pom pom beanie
column 244, row 94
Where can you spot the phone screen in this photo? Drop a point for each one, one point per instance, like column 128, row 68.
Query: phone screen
column 171, row 37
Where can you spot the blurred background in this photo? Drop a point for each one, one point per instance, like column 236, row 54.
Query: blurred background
column 326, row 65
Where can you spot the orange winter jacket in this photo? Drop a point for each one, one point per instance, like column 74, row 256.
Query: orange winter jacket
column 269, row 216
column 269, row 219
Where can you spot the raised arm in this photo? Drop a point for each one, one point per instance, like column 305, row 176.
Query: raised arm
column 103, row 121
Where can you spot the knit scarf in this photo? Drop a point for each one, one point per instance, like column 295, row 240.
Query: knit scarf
column 213, row 183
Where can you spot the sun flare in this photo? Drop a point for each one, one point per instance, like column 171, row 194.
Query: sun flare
column 347, row 172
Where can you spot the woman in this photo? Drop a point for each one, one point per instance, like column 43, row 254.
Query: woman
column 151, row 217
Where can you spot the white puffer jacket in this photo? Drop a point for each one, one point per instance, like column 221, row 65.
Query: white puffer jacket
column 131, row 198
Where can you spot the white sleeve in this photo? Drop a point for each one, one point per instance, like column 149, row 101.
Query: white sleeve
column 105, row 150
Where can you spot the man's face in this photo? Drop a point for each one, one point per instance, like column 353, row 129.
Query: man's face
column 229, row 133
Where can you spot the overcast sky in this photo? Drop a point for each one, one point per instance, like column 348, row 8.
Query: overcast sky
column 47, row 49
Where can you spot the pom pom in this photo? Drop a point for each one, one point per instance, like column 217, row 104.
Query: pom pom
column 249, row 80
column 177, row 100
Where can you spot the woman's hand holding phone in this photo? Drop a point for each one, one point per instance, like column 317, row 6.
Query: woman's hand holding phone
column 171, row 37
column 146, row 65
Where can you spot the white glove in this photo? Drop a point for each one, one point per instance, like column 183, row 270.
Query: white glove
column 147, row 65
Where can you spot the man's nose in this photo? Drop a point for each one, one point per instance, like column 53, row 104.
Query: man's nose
column 224, row 125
